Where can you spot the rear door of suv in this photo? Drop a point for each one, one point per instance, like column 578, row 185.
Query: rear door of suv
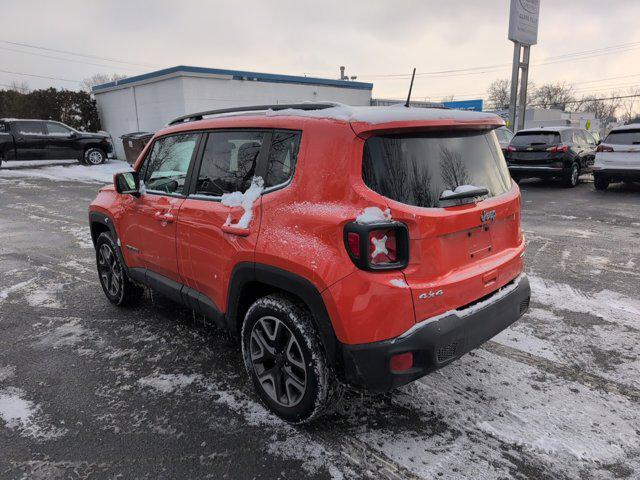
column 30, row 140
column 211, row 237
column 531, row 148
column 460, row 250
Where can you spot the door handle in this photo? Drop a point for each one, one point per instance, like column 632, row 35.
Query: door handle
column 164, row 217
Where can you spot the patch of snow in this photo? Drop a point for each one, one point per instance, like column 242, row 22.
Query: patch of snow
column 7, row 372
column 44, row 296
column 244, row 200
column 4, row 293
column 373, row 215
column 168, row 382
column 72, row 173
column 396, row 282
column 459, row 189
column 379, row 246
column 377, row 115
column 21, row 415
column 68, row 334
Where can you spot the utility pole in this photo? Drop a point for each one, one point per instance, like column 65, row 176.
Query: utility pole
column 523, row 32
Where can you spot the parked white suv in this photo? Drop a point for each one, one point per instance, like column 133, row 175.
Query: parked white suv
column 618, row 157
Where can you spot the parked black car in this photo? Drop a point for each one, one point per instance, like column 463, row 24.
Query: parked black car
column 49, row 140
column 554, row 152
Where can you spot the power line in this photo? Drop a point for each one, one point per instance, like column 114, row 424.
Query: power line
column 113, row 67
column 95, row 57
column 566, row 57
column 40, row 76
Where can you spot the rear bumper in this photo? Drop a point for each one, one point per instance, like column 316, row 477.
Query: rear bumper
column 542, row 170
column 436, row 342
column 614, row 173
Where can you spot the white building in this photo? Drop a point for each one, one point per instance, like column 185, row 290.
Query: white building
column 147, row 102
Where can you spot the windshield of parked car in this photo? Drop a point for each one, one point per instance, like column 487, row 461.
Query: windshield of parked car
column 423, row 169
column 535, row 138
column 624, row 137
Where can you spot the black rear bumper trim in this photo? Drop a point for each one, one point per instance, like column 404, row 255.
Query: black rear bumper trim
column 435, row 342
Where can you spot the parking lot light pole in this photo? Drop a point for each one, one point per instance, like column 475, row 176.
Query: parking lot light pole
column 524, row 66
column 514, row 85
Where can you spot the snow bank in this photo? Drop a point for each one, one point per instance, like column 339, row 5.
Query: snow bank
column 72, row 172
column 375, row 115
column 373, row 215
column 244, row 200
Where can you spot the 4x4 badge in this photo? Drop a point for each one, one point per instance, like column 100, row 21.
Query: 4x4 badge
column 431, row 294
column 488, row 216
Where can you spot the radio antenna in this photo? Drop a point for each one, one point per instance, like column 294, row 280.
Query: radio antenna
column 413, row 75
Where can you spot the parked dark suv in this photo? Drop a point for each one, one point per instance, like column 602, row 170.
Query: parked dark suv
column 49, row 140
column 556, row 152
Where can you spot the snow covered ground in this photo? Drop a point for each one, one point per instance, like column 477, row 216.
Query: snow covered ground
column 63, row 170
column 150, row 392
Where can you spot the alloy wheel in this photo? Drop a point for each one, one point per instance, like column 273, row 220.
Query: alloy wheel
column 110, row 270
column 575, row 174
column 95, row 157
column 277, row 361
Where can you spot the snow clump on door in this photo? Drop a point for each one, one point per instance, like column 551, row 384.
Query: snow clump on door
column 244, row 200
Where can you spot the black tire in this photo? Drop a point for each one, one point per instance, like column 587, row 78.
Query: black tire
column 116, row 284
column 94, row 156
column 600, row 182
column 572, row 177
column 288, row 366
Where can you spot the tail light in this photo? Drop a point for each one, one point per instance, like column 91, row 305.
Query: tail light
column 511, row 148
column 604, row 148
column 401, row 362
column 558, row 149
column 377, row 246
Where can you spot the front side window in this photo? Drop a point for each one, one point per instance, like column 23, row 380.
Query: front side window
column 229, row 162
column 416, row 169
column 29, row 128
column 282, row 157
column 57, row 130
column 165, row 168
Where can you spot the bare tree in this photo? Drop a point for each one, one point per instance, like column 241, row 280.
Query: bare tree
column 552, row 95
column 499, row 93
column 453, row 169
column 604, row 110
column 20, row 87
column 630, row 105
column 448, row 98
column 100, row 78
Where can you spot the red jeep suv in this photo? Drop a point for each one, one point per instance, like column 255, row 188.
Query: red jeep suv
column 361, row 246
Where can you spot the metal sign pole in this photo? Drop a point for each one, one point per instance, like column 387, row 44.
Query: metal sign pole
column 523, row 86
column 514, row 85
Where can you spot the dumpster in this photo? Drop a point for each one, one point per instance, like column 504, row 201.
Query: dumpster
column 134, row 143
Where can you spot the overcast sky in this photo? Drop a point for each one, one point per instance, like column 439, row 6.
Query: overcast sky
column 371, row 38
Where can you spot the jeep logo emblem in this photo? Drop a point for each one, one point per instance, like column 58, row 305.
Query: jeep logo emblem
column 488, row 216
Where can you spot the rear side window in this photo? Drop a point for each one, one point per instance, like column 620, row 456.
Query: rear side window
column 624, row 137
column 535, row 138
column 165, row 168
column 282, row 157
column 29, row 128
column 229, row 162
column 417, row 169
column 57, row 130
column 3, row 128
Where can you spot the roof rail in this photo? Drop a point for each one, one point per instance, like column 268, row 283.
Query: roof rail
column 283, row 106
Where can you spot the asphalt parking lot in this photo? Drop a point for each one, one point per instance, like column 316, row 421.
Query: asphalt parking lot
column 91, row 391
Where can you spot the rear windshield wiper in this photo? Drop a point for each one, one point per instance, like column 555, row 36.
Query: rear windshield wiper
column 464, row 191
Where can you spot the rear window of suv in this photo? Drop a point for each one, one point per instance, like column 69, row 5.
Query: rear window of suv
column 535, row 138
column 624, row 137
column 416, row 169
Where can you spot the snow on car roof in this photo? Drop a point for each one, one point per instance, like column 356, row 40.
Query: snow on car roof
column 394, row 113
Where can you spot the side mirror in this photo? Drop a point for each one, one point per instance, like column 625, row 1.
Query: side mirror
column 73, row 135
column 127, row 182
